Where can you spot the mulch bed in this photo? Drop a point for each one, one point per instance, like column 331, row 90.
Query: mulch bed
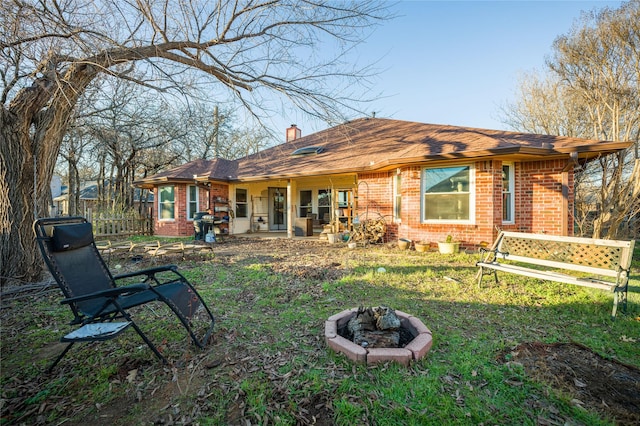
column 593, row 382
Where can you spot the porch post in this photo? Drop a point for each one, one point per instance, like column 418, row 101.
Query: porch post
column 291, row 209
column 565, row 203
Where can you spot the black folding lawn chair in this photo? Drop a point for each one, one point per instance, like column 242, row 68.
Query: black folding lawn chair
column 101, row 309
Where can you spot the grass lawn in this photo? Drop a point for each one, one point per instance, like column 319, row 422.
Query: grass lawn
column 269, row 364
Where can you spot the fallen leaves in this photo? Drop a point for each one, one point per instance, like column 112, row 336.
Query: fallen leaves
column 579, row 383
column 132, row 375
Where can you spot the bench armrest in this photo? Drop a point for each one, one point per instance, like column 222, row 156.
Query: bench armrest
column 490, row 255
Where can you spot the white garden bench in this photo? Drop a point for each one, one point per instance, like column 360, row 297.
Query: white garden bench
column 602, row 264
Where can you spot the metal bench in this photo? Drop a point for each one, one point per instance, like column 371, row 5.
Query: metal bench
column 602, row 264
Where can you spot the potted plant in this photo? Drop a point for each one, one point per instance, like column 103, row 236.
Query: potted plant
column 421, row 246
column 449, row 245
column 404, row 243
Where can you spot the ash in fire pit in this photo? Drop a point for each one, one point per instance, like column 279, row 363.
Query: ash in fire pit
column 378, row 334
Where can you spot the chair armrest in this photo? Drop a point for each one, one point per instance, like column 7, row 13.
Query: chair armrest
column 148, row 272
column 111, row 292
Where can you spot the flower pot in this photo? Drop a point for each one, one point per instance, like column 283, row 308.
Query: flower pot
column 333, row 238
column 421, row 247
column 448, row 248
column 404, row 244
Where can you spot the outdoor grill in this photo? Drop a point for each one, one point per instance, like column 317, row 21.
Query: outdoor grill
column 202, row 223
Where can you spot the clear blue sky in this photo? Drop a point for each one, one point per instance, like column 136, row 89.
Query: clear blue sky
column 457, row 62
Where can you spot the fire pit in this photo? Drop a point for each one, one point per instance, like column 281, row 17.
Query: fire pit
column 411, row 341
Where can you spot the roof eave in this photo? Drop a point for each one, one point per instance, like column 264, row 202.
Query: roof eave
column 153, row 182
column 584, row 152
column 588, row 151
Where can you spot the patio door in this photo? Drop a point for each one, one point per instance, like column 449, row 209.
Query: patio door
column 277, row 209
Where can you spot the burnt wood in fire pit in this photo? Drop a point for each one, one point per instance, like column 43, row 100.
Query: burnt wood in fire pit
column 376, row 327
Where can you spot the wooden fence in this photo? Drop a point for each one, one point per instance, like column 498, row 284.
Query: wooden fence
column 121, row 226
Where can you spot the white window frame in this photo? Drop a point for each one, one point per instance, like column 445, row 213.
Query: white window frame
column 161, row 203
column 397, row 197
column 325, row 208
column 242, row 203
column 309, row 206
column 511, row 194
column 190, row 201
column 471, row 193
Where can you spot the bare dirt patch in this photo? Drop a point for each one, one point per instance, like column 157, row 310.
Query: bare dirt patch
column 591, row 381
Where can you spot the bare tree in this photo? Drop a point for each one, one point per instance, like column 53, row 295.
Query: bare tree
column 592, row 92
column 600, row 64
column 544, row 106
column 252, row 50
column 203, row 130
column 72, row 151
column 207, row 128
column 244, row 142
column 126, row 123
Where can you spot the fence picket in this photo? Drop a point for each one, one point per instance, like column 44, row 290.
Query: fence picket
column 104, row 227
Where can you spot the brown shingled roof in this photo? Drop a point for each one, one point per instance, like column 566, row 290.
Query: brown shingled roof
column 369, row 144
column 218, row 169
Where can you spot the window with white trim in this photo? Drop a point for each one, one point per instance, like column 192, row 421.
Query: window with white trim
column 166, row 202
column 508, row 193
column 305, row 203
column 324, row 205
column 397, row 197
column 192, row 201
column 241, row 203
column 448, row 194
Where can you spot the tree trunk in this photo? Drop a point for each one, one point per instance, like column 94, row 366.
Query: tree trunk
column 32, row 129
column 19, row 257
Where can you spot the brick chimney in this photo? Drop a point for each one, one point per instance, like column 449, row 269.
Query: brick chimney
column 293, row 133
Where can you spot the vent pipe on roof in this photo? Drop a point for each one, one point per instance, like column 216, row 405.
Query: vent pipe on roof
column 293, row 133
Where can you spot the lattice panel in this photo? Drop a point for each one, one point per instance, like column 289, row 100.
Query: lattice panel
column 578, row 254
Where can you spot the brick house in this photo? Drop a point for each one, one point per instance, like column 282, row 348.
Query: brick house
column 425, row 181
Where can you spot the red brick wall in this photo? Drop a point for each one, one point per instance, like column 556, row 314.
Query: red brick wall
column 180, row 226
column 537, row 184
column 539, row 203
column 217, row 191
column 375, row 200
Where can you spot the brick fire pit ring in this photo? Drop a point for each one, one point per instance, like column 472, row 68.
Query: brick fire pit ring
column 414, row 350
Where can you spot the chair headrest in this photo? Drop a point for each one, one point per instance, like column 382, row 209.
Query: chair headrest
column 72, row 236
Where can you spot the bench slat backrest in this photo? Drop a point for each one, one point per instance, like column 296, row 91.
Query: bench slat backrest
column 603, row 257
